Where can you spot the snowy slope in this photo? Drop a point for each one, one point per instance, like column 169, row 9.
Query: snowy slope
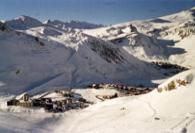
column 29, row 62
column 44, row 31
column 187, row 58
column 140, row 45
column 154, row 112
column 169, row 111
column 159, row 34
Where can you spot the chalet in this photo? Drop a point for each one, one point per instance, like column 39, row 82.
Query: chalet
column 96, row 86
column 13, row 102
column 104, row 97
column 24, row 97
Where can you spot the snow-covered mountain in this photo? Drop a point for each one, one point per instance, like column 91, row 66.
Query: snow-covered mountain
column 42, row 56
column 72, row 24
column 22, row 23
column 72, row 59
column 25, row 22
column 151, row 36
column 133, row 41
column 36, row 58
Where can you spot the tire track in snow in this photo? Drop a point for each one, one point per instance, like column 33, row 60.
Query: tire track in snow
column 179, row 123
column 187, row 121
column 190, row 121
column 150, row 107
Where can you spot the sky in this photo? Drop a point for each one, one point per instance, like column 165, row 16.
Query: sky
column 95, row 11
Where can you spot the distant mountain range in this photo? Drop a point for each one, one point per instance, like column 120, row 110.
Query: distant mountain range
column 26, row 22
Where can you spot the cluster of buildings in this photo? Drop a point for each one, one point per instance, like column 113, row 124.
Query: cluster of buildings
column 58, row 101
column 123, row 90
column 64, row 100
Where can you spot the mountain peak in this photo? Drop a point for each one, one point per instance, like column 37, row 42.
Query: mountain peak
column 24, row 18
column 193, row 8
column 23, row 22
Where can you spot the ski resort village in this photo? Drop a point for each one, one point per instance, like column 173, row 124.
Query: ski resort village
column 79, row 77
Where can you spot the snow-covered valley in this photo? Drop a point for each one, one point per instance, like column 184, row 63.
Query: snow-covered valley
column 44, row 58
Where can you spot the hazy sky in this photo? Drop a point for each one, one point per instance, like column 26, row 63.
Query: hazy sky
column 96, row 11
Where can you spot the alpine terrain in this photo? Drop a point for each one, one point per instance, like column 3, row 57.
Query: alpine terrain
column 78, row 77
